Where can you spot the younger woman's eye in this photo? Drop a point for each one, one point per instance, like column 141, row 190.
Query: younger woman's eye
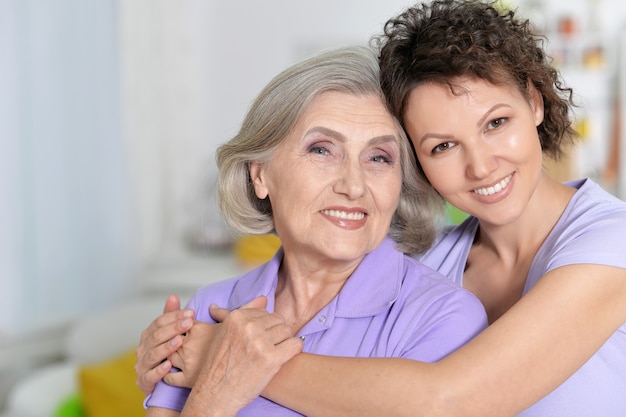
column 442, row 147
column 495, row 123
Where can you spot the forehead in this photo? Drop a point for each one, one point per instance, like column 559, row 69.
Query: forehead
column 467, row 85
column 349, row 111
column 470, row 91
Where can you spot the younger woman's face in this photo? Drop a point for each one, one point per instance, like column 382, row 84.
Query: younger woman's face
column 478, row 146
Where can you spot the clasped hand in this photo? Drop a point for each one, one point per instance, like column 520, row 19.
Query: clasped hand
column 240, row 354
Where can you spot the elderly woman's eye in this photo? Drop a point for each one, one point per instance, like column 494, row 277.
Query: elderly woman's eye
column 319, row 150
column 382, row 158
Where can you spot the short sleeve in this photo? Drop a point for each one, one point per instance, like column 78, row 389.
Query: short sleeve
column 447, row 323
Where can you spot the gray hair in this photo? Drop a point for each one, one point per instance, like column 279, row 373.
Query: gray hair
column 272, row 117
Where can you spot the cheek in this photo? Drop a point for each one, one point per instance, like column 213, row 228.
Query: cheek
column 526, row 144
column 388, row 196
column 298, row 190
column 437, row 172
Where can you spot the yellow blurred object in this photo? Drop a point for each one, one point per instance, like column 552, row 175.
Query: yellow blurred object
column 254, row 250
column 583, row 128
column 108, row 388
column 594, row 57
column 504, row 6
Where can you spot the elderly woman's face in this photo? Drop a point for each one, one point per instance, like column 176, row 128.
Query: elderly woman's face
column 334, row 183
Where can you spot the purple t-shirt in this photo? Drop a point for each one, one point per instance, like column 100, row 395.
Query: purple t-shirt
column 391, row 306
column 592, row 230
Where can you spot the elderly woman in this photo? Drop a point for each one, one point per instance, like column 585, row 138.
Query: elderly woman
column 321, row 162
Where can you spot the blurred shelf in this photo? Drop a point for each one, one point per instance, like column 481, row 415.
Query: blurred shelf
column 182, row 273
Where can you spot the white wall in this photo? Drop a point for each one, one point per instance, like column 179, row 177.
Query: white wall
column 65, row 233
column 190, row 69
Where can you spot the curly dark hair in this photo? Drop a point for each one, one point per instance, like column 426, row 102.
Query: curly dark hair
column 438, row 41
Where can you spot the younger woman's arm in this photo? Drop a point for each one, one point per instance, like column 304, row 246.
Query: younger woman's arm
column 527, row 353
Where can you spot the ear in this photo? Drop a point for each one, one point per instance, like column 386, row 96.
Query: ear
column 536, row 103
column 257, row 175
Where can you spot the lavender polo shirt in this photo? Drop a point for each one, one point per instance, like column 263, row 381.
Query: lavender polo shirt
column 591, row 230
column 391, row 306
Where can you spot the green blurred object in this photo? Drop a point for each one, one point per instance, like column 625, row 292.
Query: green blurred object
column 70, row 407
column 454, row 215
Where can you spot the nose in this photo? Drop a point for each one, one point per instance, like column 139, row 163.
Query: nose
column 351, row 180
column 480, row 161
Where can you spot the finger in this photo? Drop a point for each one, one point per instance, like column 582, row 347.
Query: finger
column 177, row 379
column 219, row 314
column 258, row 302
column 147, row 380
column 252, row 321
column 289, row 348
column 151, row 358
column 172, row 303
column 156, row 347
column 177, row 361
column 279, row 333
column 166, row 326
column 205, row 330
column 172, row 321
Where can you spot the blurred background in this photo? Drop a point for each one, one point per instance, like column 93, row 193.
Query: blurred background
column 110, row 112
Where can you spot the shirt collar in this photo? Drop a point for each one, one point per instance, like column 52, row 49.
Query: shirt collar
column 372, row 287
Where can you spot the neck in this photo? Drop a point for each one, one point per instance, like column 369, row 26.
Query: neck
column 525, row 235
column 301, row 295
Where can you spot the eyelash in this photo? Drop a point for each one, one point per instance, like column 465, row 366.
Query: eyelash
column 321, row 150
column 496, row 123
column 385, row 159
column 442, row 147
column 493, row 124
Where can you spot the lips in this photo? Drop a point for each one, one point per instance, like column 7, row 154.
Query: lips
column 346, row 219
column 496, row 188
column 340, row 214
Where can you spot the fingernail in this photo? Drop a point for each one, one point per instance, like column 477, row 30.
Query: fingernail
column 186, row 323
column 188, row 313
column 174, row 341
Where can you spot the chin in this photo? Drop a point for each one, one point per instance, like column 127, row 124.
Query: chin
column 347, row 252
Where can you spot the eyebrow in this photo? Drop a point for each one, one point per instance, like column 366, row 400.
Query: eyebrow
column 434, row 136
column 340, row 137
column 442, row 136
column 491, row 110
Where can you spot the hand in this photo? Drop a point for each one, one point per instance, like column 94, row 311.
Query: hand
column 189, row 358
column 160, row 340
column 248, row 349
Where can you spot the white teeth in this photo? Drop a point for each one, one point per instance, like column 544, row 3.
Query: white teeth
column 343, row 215
column 495, row 189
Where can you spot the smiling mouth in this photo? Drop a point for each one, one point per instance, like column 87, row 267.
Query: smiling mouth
column 344, row 215
column 495, row 188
